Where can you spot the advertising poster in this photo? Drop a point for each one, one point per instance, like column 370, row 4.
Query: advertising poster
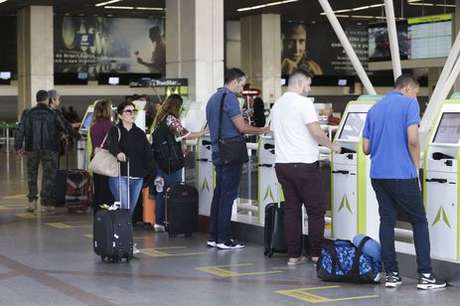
column 315, row 47
column 109, row 45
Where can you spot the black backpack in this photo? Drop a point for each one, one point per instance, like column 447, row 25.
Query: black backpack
column 166, row 150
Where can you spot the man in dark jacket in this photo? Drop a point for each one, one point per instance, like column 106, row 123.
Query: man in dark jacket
column 38, row 134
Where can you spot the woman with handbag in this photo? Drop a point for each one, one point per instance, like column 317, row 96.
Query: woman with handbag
column 128, row 143
column 167, row 137
column 100, row 126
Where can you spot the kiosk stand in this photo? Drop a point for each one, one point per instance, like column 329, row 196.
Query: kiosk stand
column 205, row 175
column 353, row 202
column 441, row 184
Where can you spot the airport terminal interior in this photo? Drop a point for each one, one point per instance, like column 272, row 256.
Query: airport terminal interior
column 144, row 51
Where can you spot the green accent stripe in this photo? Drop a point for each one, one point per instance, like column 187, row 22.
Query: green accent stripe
column 259, row 184
column 361, row 190
column 458, row 205
column 332, row 195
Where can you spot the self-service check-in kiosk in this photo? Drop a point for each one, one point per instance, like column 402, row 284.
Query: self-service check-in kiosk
column 269, row 190
column 82, row 162
column 441, row 182
column 205, row 175
column 353, row 202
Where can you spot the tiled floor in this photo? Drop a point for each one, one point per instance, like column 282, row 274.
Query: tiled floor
column 48, row 260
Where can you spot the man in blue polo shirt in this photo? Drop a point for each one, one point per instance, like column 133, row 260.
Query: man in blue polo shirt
column 391, row 138
column 227, row 176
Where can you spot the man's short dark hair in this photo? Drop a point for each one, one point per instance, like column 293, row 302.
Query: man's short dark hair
column 405, row 80
column 42, row 96
column 123, row 105
column 233, row 74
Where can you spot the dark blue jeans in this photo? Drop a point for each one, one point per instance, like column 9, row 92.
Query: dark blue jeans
column 406, row 195
column 226, row 191
column 170, row 180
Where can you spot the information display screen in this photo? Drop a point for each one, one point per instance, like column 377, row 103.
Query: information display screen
column 87, row 121
column 448, row 129
column 353, row 126
column 430, row 36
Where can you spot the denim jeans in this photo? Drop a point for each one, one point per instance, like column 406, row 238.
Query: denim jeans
column 226, row 190
column 405, row 194
column 135, row 186
column 169, row 180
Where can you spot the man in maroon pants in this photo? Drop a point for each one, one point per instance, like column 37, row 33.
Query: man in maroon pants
column 297, row 134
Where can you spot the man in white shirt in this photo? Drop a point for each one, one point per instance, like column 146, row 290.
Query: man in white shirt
column 297, row 134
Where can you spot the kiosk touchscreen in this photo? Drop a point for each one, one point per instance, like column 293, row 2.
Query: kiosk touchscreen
column 353, row 203
column 81, row 143
column 441, row 182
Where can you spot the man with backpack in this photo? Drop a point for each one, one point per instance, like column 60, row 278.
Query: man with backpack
column 391, row 138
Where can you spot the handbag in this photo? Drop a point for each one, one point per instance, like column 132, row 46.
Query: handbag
column 232, row 150
column 103, row 162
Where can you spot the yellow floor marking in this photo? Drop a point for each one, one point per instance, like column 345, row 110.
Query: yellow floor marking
column 157, row 253
column 90, row 236
column 59, row 225
column 221, row 272
column 303, row 295
column 171, row 248
column 26, row 215
column 14, row 196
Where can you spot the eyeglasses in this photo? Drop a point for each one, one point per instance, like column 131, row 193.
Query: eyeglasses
column 130, row 111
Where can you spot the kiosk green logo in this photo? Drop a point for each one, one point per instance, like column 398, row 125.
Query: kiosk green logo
column 205, row 185
column 441, row 214
column 269, row 193
column 344, row 203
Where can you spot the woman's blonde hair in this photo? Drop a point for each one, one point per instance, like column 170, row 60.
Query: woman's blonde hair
column 171, row 106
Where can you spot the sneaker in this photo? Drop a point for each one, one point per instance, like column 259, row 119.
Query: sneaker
column 32, row 206
column 428, row 281
column 159, row 228
column 211, row 243
column 314, row 259
column 393, row 280
column 230, row 245
column 50, row 210
column 135, row 249
column 293, row 261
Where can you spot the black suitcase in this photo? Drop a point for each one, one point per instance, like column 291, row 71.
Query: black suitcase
column 60, row 183
column 274, row 238
column 181, row 203
column 113, row 231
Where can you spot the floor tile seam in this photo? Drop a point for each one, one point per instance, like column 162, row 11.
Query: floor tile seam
column 43, row 278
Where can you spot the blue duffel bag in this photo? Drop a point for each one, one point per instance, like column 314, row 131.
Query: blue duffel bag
column 342, row 261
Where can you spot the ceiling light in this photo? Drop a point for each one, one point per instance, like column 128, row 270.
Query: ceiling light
column 119, row 7
column 432, row 4
column 359, row 8
column 365, row 17
column 150, row 8
column 106, row 2
column 1, row 1
column 255, row 7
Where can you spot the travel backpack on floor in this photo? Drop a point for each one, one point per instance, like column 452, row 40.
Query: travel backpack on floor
column 342, row 261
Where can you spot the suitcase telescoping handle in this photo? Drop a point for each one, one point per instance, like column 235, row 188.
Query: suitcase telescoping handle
column 119, row 181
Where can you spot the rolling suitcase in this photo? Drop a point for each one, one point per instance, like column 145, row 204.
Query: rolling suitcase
column 274, row 238
column 149, row 205
column 181, row 203
column 60, row 183
column 79, row 190
column 113, row 231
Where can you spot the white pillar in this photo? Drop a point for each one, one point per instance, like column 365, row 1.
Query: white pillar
column 35, row 53
column 195, row 46
column 393, row 38
column 261, row 54
column 347, row 46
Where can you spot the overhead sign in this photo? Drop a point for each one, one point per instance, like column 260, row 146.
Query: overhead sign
column 427, row 19
column 251, row 92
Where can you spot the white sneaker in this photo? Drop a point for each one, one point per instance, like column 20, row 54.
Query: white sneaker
column 230, row 245
column 32, row 206
column 159, row 228
column 211, row 244
column 135, row 249
column 293, row 261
